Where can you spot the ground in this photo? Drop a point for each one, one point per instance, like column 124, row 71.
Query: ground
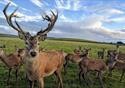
column 70, row 80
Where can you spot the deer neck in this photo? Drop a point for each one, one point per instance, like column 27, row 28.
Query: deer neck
column 84, row 55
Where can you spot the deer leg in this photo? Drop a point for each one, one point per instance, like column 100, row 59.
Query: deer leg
column 110, row 71
column 102, row 57
column 100, row 80
column 31, row 84
column 65, row 66
column 60, row 82
column 122, row 75
column 88, row 78
column 84, row 76
column 41, row 83
column 16, row 73
column 97, row 75
column 80, row 73
column 9, row 76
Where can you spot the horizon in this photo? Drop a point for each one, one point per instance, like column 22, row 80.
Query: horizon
column 97, row 20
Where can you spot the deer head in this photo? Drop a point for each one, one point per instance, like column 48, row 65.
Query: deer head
column 31, row 42
column 85, row 51
column 112, row 59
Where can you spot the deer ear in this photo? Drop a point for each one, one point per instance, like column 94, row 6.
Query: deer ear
column 21, row 36
column 42, row 37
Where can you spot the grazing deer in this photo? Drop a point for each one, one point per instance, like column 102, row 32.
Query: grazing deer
column 12, row 61
column 76, row 57
column 116, row 60
column 89, row 64
column 39, row 65
column 101, row 53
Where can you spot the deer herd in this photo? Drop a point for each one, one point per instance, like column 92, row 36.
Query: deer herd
column 39, row 64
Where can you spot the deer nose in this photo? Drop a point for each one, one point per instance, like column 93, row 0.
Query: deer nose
column 33, row 53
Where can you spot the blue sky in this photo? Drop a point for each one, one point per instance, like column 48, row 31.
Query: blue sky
column 99, row 20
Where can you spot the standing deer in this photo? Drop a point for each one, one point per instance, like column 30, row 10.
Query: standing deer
column 89, row 64
column 116, row 60
column 12, row 61
column 101, row 53
column 76, row 57
column 39, row 65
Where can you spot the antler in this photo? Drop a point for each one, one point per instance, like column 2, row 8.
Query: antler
column 51, row 20
column 9, row 19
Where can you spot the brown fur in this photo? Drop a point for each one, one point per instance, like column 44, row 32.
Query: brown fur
column 89, row 64
column 76, row 57
column 44, row 64
column 12, row 61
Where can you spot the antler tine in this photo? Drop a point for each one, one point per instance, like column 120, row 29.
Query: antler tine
column 19, row 26
column 51, row 20
column 9, row 19
column 4, row 11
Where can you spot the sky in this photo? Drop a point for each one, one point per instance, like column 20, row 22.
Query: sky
column 98, row 20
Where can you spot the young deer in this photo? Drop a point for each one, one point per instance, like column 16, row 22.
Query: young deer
column 74, row 58
column 39, row 64
column 116, row 60
column 101, row 53
column 12, row 61
column 89, row 64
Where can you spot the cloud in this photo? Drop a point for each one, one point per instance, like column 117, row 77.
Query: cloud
column 69, row 4
column 77, row 19
column 65, row 19
column 28, row 18
column 7, row 1
column 111, row 11
column 37, row 3
column 7, row 30
column 117, row 19
column 90, row 28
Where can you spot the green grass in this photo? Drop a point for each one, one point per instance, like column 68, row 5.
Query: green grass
column 70, row 80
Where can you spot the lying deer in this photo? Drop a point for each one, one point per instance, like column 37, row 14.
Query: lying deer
column 88, row 64
column 75, row 58
column 116, row 60
column 38, row 65
column 101, row 53
column 12, row 61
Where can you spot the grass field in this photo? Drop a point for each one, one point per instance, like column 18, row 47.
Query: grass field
column 70, row 80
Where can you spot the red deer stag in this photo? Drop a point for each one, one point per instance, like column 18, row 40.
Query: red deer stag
column 12, row 61
column 39, row 64
column 89, row 64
